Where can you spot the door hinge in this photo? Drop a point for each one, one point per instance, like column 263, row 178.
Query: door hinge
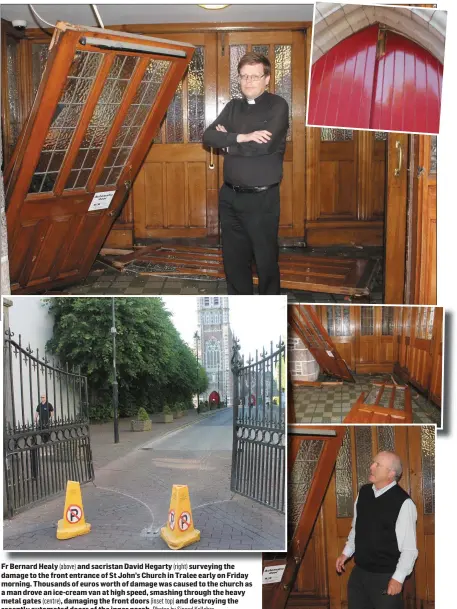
column 223, row 44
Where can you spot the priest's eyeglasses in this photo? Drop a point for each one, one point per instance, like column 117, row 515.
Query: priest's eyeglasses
column 250, row 77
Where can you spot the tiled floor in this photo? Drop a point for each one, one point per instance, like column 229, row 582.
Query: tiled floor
column 332, row 403
column 104, row 280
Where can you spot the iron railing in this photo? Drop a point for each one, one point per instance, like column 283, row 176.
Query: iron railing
column 259, row 426
column 40, row 455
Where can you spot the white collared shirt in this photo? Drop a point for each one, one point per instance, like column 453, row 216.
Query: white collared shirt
column 405, row 530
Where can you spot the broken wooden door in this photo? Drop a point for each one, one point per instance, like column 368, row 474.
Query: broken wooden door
column 312, row 457
column 385, row 403
column 305, row 322
column 99, row 104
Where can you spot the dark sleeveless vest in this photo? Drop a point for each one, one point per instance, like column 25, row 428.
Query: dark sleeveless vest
column 376, row 547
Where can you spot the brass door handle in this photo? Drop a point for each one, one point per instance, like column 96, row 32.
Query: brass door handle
column 400, row 158
column 211, row 159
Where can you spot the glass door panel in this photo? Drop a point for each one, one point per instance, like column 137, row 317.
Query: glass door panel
column 102, row 97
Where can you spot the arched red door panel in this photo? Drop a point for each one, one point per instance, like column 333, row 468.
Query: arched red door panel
column 355, row 86
column 342, row 82
column 407, row 88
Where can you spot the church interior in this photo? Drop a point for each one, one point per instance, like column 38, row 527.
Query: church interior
column 327, row 466
column 365, row 364
column 358, row 208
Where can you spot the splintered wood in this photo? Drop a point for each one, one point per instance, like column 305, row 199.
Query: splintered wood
column 347, row 276
column 386, row 403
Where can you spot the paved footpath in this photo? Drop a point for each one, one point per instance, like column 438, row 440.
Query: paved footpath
column 128, row 501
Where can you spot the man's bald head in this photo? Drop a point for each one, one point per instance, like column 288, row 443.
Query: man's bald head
column 385, row 468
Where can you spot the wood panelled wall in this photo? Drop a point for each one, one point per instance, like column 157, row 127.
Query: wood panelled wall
column 420, row 356
column 333, row 191
column 318, row 584
column 376, row 339
column 346, row 187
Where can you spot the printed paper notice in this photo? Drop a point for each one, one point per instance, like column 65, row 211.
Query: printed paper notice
column 330, row 354
column 101, row 200
column 273, row 575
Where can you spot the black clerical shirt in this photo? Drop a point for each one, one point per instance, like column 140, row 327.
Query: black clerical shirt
column 250, row 163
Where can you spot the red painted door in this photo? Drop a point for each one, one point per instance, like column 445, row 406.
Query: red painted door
column 377, row 79
column 407, row 88
column 342, row 82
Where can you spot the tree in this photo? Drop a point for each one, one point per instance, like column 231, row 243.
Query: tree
column 154, row 365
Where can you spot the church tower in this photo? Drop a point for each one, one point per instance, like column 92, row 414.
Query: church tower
column 215, row 346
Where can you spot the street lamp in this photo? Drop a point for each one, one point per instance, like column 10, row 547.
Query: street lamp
column 197, row 338
column 115, row 387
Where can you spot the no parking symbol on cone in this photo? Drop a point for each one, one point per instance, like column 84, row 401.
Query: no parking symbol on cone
column 73, row 523
column 177, row 537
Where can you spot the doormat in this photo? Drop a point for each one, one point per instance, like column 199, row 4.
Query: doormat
column 353, row 277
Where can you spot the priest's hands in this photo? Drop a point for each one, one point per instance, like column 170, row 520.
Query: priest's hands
column 261, row 137
column 340, row 563
column 394, row 587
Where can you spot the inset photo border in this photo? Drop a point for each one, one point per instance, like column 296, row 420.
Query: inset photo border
column 376, row 67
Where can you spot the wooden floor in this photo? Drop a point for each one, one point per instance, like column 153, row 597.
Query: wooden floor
column 351, row 277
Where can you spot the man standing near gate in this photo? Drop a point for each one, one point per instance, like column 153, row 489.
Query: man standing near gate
column 43, row 413
column 253, row 133
column 382, row 538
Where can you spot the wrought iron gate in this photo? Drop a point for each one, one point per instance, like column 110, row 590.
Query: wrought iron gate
column 259, row 426
column 41, row 454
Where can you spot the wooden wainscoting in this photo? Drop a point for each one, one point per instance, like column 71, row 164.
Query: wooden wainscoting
column 345, row 187
column 415, row 446
column 420, row 360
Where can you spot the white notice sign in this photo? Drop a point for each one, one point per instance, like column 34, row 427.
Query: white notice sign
column 101, row 200
column 273, row 575
column 330, row 354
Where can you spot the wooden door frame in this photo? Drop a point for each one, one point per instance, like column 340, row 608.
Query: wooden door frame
column 395, row 218
column 420, row 280
column 312, row 505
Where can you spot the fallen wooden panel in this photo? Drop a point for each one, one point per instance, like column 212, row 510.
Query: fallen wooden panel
column 346, row 276
column 60, row 206
column 306, row 324
column 386, row 403
column 296, row 383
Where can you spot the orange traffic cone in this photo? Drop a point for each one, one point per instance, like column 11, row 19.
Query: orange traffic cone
column 73, row 523
column 180, row 531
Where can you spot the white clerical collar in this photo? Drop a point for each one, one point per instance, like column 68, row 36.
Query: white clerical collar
column 250, row 101
column 378, row 492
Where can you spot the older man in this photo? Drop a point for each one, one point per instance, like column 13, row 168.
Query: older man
column 382, row 538
column 253, row 133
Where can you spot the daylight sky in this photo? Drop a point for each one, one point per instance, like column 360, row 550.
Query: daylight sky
column 254, row 320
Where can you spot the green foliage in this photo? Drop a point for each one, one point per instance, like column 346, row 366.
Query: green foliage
column 167, row 409
column 154, row 366
column 202, row 380
column 142, row 415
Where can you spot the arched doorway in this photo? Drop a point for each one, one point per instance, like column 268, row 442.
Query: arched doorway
column 377, row 79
